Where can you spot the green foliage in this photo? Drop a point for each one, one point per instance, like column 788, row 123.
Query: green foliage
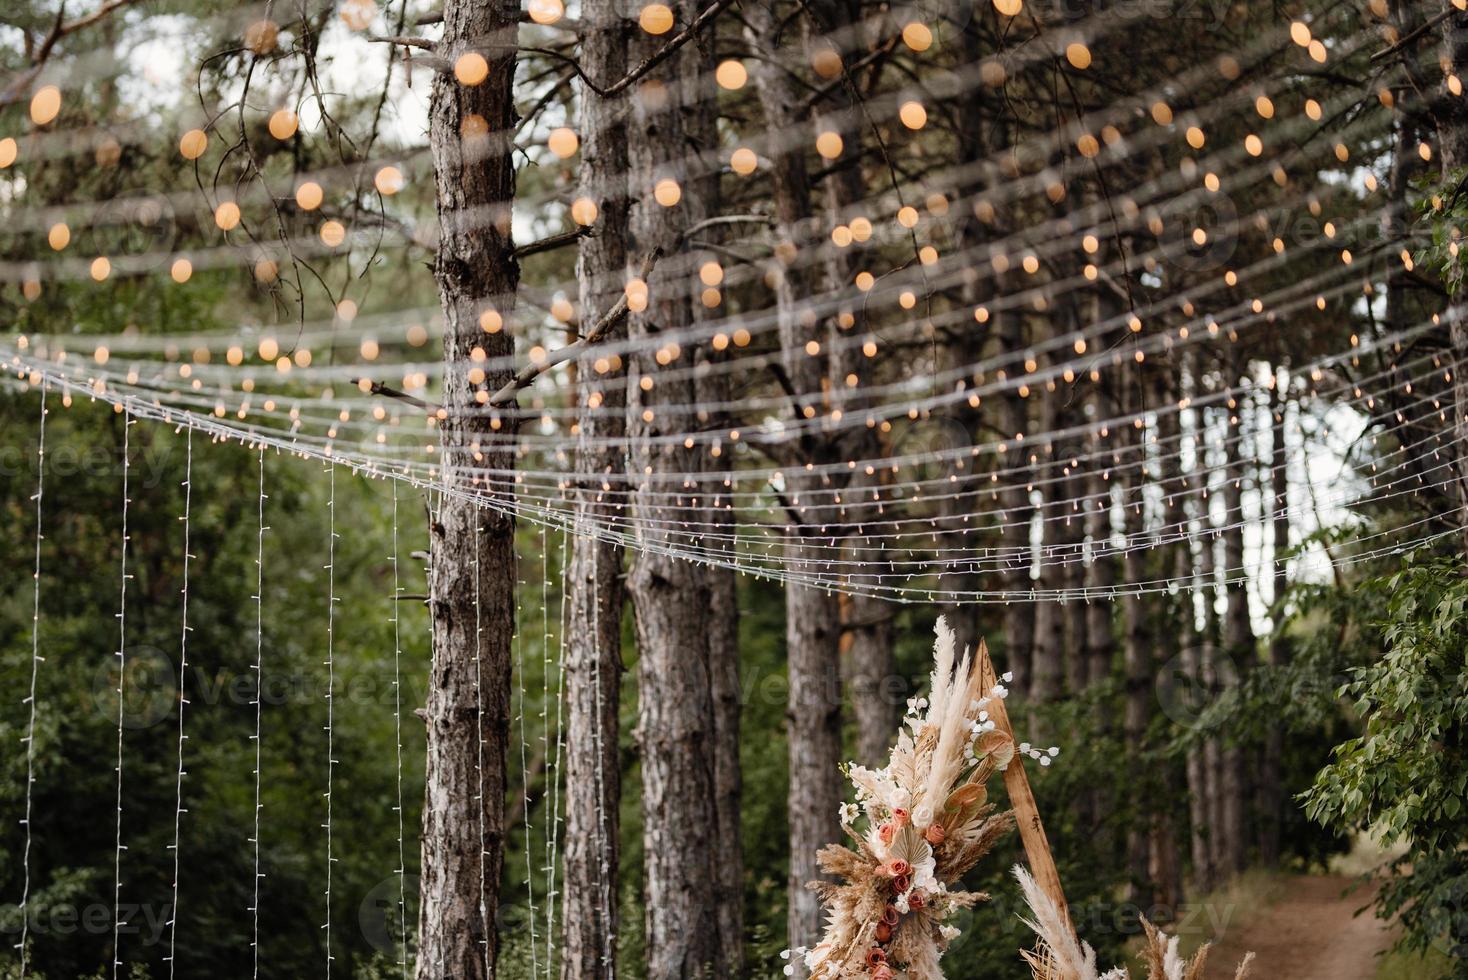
column 1405, row 777
column 1444, row 208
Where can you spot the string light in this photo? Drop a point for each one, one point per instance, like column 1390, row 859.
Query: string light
column 183, row 701
column 123, row 576
column 330, row 696
column 525, row 765
column 29, row 702
column 258, row 702
column 397, row 689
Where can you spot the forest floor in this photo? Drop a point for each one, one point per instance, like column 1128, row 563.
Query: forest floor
column 1308, row 931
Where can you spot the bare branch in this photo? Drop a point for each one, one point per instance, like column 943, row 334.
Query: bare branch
column 553, row 242
column 530, row 372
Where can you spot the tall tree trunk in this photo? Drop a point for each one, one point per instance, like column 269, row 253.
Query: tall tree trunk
column 1137, row 665
column 1015, row 514
column 714, row 388
column 676, row 723
column 876, row 701
column 1213, row 663
column 1048, row 661
column 1452, row 127
column 1194, row 507
column 812, row 615
column 472, row 568
column 1171, row 636
column 1239, row 648
column 593, row 642
column 728, row 778
column 1271, row 790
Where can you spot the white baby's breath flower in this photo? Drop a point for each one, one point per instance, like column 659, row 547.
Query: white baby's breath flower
column 1008, row 677
column 900, row 903
column 950, row 933
column 1024, row 747
column 1000, row 691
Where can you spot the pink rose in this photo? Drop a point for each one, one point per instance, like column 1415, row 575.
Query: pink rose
column 934, row 834
column 876, row 957
column 899, row 816
column 889, row 915
column 915, row 901
column 901, row 884
column 883, row 972
column 898, row 868
column 887, row 832
column 884, row 931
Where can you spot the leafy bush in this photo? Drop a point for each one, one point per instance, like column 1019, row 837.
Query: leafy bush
column 1405, row 777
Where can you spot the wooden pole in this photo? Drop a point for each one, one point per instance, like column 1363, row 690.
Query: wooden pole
column 1026, row 813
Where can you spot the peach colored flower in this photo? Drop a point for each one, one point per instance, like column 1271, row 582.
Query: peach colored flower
column 887, row 832
column 889, row 915
column 915, row 901
column 884, row 931
column 876, row 956
column 899, row 868
column 899, row 816
column 883, row 972
column 901, row 883
column 934, row 834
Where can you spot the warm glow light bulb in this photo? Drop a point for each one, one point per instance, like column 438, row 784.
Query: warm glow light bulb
column 191, row 145
column 828, row 144
column 45, row 104
column 546, row 11
column 667, row 192
column 917, row 36
column 913, row 115
column 655, row 18
column 583, row 211
column 743, row 161
column 731, row 75
column 308, row 196
column 563, row 142
column 388, row 181
column 471, row 68
column 283, row 124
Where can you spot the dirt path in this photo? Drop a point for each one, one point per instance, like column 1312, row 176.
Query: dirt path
column 1310, row 933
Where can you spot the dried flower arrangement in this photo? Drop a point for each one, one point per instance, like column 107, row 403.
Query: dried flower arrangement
column 928, row 820
column 1059, row 955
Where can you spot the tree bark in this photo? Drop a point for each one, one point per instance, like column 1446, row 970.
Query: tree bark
column 1452, row 126
column 1271, row 789
column 1194, row 507
column 1016, row 513
column 871, row 676
column 1239, row 647
column 1048, row 662
column 671, row 601
column 472, row 573
column 714, row 387
column 1138, row 673
column 593, row 643
column 812, row 616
